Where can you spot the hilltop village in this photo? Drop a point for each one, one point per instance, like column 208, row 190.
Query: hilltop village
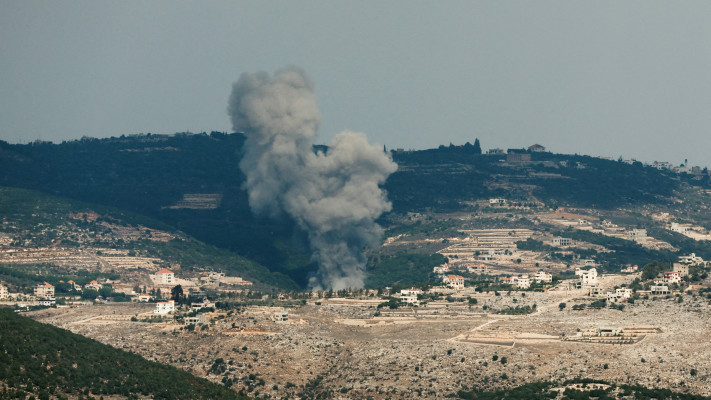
column 508, row 306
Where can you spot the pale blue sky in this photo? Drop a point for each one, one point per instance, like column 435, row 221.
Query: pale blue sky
column 610, row 78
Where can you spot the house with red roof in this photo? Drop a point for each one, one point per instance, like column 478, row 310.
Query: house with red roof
column 164, row 277
column 44, row 290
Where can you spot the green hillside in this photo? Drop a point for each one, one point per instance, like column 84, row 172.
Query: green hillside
column 151, row 174
column 35, row 219
column 48, row 362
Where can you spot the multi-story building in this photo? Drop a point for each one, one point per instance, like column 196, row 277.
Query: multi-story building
column 164, row 307
column 164, row 277
column 44, row 290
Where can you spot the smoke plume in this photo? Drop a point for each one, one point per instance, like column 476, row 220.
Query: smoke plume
column 334, row 197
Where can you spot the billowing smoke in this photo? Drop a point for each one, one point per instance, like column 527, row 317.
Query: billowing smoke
column 334, row 197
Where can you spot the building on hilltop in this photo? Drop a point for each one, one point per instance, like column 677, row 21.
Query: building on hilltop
column 536, row 148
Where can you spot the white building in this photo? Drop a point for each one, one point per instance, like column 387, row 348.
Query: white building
column 94, row 285
column 630, row 270
column 281, row 316
column 454, row 281
column 4, row 293
column 595, row 291
column 199, row 319
column 672, row 277
column 164, row 307
column 409, row 296
column 47, row 302
column 522, row 281
column 638, row 235
column 659, row 289
column 619, row 295
column 478, row 268
column 561, row 241
column 199, row 306
column 44, row 290
column 497, row 202
column 164, row 277
column 543, row 277
column 587, row 277
column 691, row 259
column 680, row 228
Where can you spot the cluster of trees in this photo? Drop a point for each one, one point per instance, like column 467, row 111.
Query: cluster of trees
column 403, row 269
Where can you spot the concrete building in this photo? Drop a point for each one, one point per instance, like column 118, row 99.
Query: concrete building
column 659, row 289
column 409, row 296
column 595, row 291
column 164, row 277
column 672, row 277
column 630, row 270
column 682, row 269
column 454, row 281
column 143, row 298
column 164, row 307
column 47, row 302
column 536, row 148
column 281, row 316
column 93, row 285
column 199, row 319
column 477, row 268
column 44, row 290
column 199, row 306
column 587, row 277
column 522, row 282
column 638, row 235
column 619, row 295
column 561, row 241
column 543, row 277
column 691, row 259
column 4, row 293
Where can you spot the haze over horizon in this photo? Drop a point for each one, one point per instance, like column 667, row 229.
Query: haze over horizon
column 604, row 78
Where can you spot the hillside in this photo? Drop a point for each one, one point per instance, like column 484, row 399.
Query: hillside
column 68, row 239
column 193, row 182
column 47, row 362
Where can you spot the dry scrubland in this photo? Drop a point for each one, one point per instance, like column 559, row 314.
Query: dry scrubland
column 340, row 348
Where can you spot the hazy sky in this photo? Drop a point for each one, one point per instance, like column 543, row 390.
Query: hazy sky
column 610, row 78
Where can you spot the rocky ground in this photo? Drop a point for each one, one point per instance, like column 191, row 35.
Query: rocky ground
column 339, row 349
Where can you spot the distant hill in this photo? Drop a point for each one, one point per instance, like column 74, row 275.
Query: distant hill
column 193, row 182
column 47, row 362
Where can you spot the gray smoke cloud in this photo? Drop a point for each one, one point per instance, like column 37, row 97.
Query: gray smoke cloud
column 334, row 197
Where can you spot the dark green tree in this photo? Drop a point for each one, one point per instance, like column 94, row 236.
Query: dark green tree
column 176, row 293
column 477, row 147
